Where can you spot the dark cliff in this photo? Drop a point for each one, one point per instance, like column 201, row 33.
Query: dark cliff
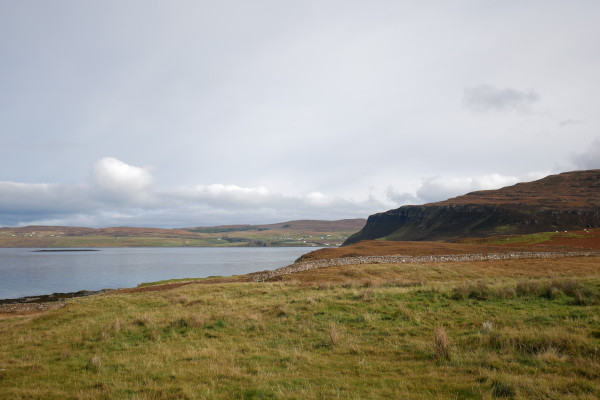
column 558, row 202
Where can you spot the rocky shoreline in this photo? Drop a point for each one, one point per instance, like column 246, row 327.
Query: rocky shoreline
column 50, row 298
column 56, row 300
column 307, row 265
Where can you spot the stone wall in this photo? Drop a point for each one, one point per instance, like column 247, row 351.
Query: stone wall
column 307, row 265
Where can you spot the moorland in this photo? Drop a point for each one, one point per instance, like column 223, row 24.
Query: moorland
column 515, row 328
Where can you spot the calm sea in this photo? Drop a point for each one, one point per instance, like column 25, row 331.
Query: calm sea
column 25, row 272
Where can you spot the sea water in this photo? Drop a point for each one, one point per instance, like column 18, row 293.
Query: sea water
column 29, row 272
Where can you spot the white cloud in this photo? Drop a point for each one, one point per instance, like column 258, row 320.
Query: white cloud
column 123, row 194
column 121, row 180
column 319, row 199
column 220, row 195
column 485, row 98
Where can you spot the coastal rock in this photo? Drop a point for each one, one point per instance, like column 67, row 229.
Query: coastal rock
column 561, row 202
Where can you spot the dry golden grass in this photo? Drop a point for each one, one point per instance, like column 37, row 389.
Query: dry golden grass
column 441, row 344
column 415, row 274
column 516, row 329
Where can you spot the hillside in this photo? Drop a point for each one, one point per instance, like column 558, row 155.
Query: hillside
column 561, row 202
column 290, row 233
column 494, row 329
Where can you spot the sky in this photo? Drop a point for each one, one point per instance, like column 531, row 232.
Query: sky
column 201, row 113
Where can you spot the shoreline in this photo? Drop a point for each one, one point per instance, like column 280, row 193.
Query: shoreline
column 61, row 250
column 52, row 298
column 262, row 276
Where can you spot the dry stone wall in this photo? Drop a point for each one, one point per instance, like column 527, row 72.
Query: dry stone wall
column 307, row 265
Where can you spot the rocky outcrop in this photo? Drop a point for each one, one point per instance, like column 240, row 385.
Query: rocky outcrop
column 428, row 222
column 559, row 202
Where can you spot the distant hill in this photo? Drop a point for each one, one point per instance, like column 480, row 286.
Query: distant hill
column 309, row 225
column 566, row 201
column 290, row 233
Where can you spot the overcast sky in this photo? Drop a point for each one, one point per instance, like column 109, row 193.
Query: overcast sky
column 196, row 113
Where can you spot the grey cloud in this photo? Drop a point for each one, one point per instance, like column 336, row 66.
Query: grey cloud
column 35, row 197
column 123, row 194
column 485, row 98
column 442, row 188
column 567, row 122
column 21, row 203
column 589, row 159
column 402, row 198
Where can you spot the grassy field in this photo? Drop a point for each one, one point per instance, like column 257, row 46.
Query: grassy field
column 522, row 329
column 11, row 237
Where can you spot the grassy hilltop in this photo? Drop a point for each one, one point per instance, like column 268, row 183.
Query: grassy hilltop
column 522, row 329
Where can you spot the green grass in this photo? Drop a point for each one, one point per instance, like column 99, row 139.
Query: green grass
column 452, row 335
column 167, row 281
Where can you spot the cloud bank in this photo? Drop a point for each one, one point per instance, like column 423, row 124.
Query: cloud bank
column 119, row 194
column 443, row 187
column 123, row 194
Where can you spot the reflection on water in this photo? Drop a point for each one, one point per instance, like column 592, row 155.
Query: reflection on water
column 26, row 272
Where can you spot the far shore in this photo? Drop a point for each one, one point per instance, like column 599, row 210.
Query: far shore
column 62, row 250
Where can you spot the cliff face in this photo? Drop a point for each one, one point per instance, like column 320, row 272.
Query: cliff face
column 559, row 202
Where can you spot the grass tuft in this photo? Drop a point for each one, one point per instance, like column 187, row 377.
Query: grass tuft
column 503, row 388
column 94, row 364
column 441, row 344
column 478, row 291
column 335, row 333
column 116, row 325
column 486, row 327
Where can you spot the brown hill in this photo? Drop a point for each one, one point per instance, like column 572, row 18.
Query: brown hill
column 576, row 190
column 319, row 225
column 566, row 201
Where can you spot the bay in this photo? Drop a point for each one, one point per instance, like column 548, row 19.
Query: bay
column 27, row 272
